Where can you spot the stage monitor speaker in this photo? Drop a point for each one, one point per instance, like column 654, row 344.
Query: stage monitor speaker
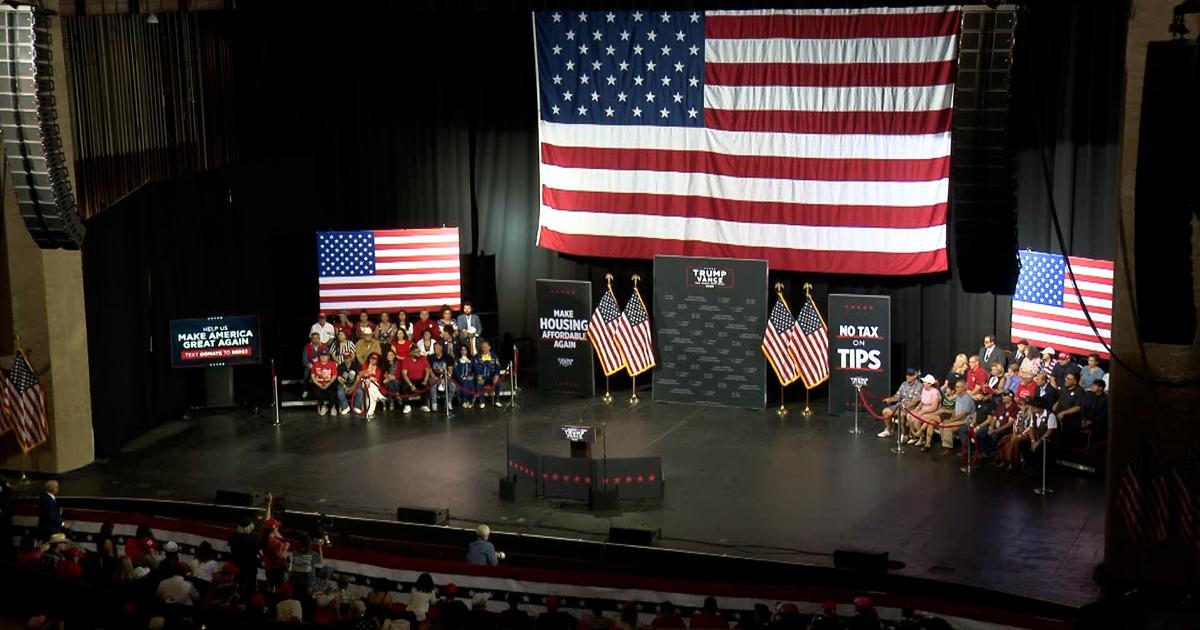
column 233, row 497
column 603, row 500
column 517, row 488
column 860, row 560
column 423, row 516
column 982, row 167
column 633, row 536
column 1165, row 195
column 28, row 124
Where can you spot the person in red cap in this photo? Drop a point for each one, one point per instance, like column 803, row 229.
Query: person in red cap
column 709, row 616
column 827, row 619
column 323, row 328
column 553, row 618
column 1062, row 367
column 323, row 377
column 865, row 616
column 275, row 550
column 368, row 389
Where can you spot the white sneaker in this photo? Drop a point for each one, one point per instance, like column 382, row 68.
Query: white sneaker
column 304, row 394
column 884, row 433
column 321, row 410
column 499, row 404
column 425, row 408
column 345, row 411
column 467, row 405
column 407, row 408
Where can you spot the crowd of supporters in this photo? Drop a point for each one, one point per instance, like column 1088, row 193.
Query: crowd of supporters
column 147, row 582
column 385, row 363
column 1007, row 406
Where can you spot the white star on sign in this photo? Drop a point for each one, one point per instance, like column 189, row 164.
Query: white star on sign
column 679, row 36
column 557, row 17
column 637, row 49
column 637, row 112
column 666, row 50
column 596, row 65
column 624, row 65
column 666, row 80
column 650, row 66
column 693, row 49
column 570, row 65
column 693, row 82
column 554, row 109
column 570, row 36
column 678, row 66
column 637, row 80
column 610, row 17
column 695, row 18
column 556, row 50
column 597, row 35
column 595, row 96
column 637, row 16
column 621, row 96
column 608, row 111
column 583, row 79
column 692, row 112
column 567, row 95
column 583, row 49
column 651, row 36
column 666, row 17
column 624, row 36
column 678, row 97
column 557, row 79
column 664, row 112
column 610, row 50
column 582, row 16
column 611, row 80
column 582, row 110
column 649, row 97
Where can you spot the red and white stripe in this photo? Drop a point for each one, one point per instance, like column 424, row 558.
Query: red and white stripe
column 1065, row 328
column 24, row 414
column 414, row 269
column 604, row 340
column 781, row 354
column 812, row 351
column 825, row 148
column 637, row 345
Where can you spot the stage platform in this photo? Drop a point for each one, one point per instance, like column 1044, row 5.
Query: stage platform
column 737, row 482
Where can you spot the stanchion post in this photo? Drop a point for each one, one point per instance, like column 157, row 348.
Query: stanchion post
column 275, row 390
column 858, row 392
column 1044, row 490
column 899, row 419
column 966, row 467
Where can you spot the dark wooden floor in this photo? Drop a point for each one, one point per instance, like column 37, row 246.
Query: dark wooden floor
column 737, row 482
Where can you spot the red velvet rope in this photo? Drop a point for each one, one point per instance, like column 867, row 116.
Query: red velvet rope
column 934, row 423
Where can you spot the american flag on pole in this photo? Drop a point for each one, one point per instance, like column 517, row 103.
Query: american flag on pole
column 777, row 343
column 602, row 331
column 1143, row 495
column 384, row 270
column 1185, row 484
column 818, row 140
column 633, row 331
column 1046, row 307
column 23, row 404
column 811, row 341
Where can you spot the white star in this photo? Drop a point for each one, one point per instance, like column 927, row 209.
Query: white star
column 570, row 36
column 557, row 17
column 583, row 49
column 666, row 80
column 557, row 79
column 678, row 97
column 567, row 95
column 679, row 36
column 637, row 49
column 624, row 65
column 666, row 50
column 695, row 18
column 582, row 16
column 583, row 79
column 637, row 16
column 624, row 36
column 595, row 96
column 608, row 111
column 666, row 17
column 651, row 36
column 610, row 50
column 597, row 35
column 637, row 80
column 664, row 112
column 650, row 66
column 692, row 113
column 678, row 66
column 621, row 96
column 637, row 112
column 556, row 50
column 649, row 97
column 596, row 65
column 570, row 66
column 611, row 80
column 554, row 109
column 693, row 49
column 693, row 82
column 610, row 17
column 582, row 110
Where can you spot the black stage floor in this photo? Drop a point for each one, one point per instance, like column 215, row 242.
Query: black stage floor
column 737, row 482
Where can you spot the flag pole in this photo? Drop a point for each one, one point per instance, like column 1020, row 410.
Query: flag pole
column 607, row 397
column 633, row 397
column 783, row 410
column 808, row 412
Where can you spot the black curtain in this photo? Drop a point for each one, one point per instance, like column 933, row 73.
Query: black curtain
column 393, row 115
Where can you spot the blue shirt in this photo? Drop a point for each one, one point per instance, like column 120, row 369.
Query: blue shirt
column 481, row 552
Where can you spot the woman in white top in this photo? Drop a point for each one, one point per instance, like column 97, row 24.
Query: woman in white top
column 423, row 594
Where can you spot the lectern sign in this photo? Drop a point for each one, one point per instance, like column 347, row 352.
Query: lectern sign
column 859, row 349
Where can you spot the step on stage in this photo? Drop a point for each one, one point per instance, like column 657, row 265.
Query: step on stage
column 734, row 482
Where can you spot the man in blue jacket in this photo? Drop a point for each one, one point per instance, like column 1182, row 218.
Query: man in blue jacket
column 49, row 516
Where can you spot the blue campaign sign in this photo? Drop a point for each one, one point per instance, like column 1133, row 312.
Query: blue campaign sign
column 215, row 341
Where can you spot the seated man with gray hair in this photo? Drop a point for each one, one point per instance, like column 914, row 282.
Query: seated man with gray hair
column 481, row 550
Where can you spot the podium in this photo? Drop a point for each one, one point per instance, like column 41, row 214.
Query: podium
column 580, row 438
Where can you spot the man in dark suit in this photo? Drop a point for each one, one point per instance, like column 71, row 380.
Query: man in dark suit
column 990, row 353
column 49, row 516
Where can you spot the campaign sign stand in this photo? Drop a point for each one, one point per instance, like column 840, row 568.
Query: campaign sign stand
column 860, row 339
column 564, row 354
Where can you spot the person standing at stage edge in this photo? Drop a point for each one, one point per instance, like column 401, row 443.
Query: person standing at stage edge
column 469, row 327
column 49, row 516
column 481, row 550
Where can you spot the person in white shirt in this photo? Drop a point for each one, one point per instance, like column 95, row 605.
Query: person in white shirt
column 323, row 328
column 177, row 590
column 205, row 563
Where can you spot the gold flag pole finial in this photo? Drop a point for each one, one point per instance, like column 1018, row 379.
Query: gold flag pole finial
column 807, row 289
column 779, row 287
column 635, row 279
column 608, row 278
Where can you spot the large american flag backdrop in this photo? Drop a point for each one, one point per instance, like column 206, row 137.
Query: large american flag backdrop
column 388, row 270
column 1047, row 309
column 816, row 139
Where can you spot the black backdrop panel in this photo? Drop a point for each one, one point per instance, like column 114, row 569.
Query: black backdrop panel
column 860, row 349
column 710, row 314
column 563, row 350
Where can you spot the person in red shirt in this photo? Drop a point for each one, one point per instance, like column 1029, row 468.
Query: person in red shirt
column 402, row 343
column 69, row 568
column 667, row 617
column 141, row 544
column 1027, row 388
column 368, row 389
column 322, row 378
column 416, row 374
column 709, row 616
column 424, row 323
column 976, row 377
column 274, row 548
